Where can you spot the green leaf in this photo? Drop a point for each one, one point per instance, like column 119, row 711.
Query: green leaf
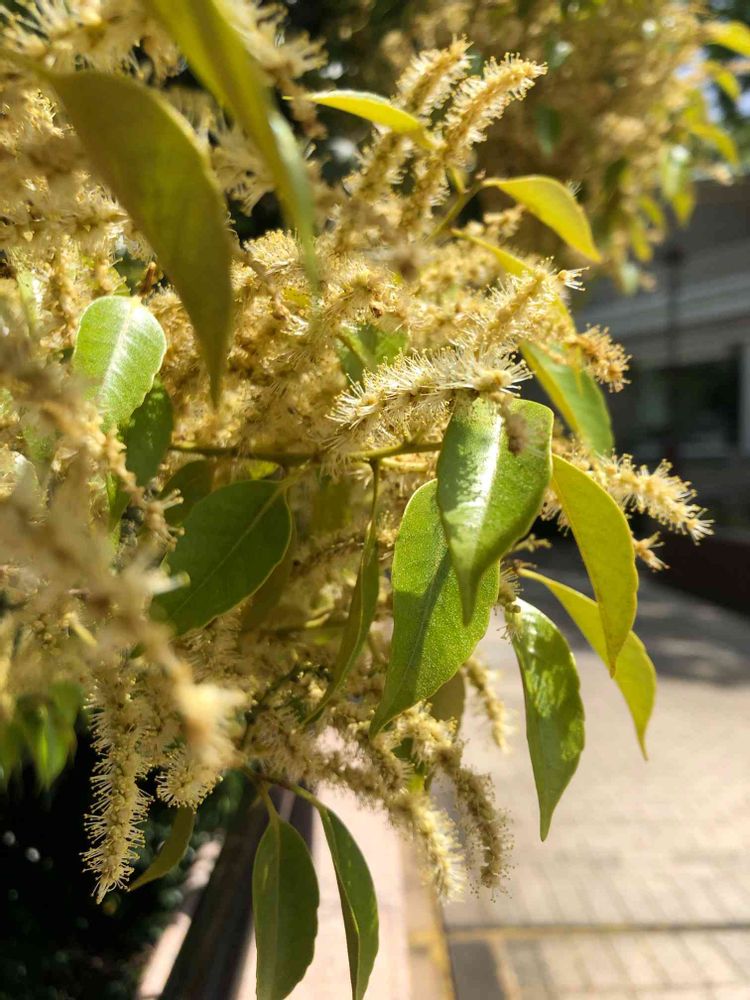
column 554, row 205
column 359, row 904
column 733, row 35
column 430, row 640
column 365, row 346
column 635, row 674
column 603, row 537
column 11, row 749
column 285, row 904
column 554, row 711
column 67, row 699
column 172, row 850
column 490, row 491
column 548, row 127
column 148, row 435
column 268, row 595
column 119, row 349
column 49, row 739
column 146, row 440
column 373, row 108
column 332, row 505
column 361, row 613
column 448, row 701
column 205, row 31
column 152, row 161
column 575, row 394
column 232, row 541
column 194, row 481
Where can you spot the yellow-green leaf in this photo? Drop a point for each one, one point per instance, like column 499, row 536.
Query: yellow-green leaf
column 554, row 711
column 359, row 904
column 508, row 261
column 206, row 34
column 152, row 161
column 285, row 910
column 491, row 489
column 733, row 35
column 172, row 849
column 118, row 350
column 635, row 674
column 725, row 78
column 373, row 107
column 718, row 138
column 575, row 394
column 554, row 205
column 430, row 640
column 603, row 537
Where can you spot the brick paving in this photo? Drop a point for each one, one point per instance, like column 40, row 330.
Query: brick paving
column 642, row 889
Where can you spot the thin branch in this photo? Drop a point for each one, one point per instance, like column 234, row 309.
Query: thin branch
column 299, row 458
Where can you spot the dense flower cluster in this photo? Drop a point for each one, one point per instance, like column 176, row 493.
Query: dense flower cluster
column 623, row 112
column 408, row 318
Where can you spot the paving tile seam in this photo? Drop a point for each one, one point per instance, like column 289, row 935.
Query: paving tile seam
column 531, row 931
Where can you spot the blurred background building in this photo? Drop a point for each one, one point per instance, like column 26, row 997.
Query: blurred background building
column 690, row 392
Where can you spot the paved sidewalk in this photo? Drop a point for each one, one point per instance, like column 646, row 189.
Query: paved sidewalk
column 642, row 889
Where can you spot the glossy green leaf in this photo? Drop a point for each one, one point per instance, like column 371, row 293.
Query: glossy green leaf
column 148, row 435
column 232, row 540
column 430, row 640
column 359, row 904
column 554, row 711
column 490, row 491
column 634, row 675
column 575, row 394
column 374, row 108
column 193, row 481
column 554, row 205
column 136, row 141
column 207, row 34
column 172, row 850
column 285, row 905
column 361, row 613
column 733, row 35
column 119, row 349
column 603, row 537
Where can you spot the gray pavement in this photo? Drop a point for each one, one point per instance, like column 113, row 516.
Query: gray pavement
column 642, row 889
